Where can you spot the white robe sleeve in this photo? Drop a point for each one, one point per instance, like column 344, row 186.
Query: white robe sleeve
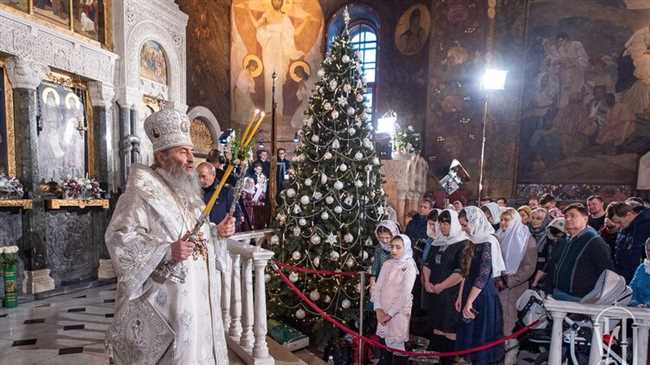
column 135, row 250
column 220, row 249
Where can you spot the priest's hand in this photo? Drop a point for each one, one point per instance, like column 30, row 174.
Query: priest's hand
column 226, row 228
column 182, row 250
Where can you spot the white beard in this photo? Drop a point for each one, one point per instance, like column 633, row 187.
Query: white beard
column 185, row 184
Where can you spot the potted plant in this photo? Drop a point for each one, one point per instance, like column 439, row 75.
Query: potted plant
column 8, row 260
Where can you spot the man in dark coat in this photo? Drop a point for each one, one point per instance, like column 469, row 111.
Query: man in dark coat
column 630, row 243
column 578, row 262
column 209, row 182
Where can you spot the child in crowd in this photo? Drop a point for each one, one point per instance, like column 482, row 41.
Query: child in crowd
column 384, row 233
column 253, row 199
column 640, row 283
column 393, row 300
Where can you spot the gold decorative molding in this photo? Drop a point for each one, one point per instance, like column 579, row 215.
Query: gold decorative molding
column 10, row 126
column 16, row 203
column 201, row 137
column 77, row 203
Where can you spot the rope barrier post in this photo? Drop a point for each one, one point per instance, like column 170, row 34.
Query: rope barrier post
column 277, row 266
column 362, row 292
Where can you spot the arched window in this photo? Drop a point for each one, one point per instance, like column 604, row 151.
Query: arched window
column 363, row 39
column 364, row 30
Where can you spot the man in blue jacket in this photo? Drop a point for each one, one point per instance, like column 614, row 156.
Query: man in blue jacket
column 630, row 243
column 207, row 178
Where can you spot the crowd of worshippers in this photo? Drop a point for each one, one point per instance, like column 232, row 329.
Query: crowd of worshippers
column 253, row 210
column 457, row 272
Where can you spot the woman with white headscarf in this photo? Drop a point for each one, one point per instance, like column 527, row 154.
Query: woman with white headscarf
column 442, row 275
column 493, row 212
column 384, row 233
column 393, row 300
column 478, row 300
column 520, row 255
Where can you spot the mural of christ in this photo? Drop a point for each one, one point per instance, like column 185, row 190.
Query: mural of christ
column 275, row 32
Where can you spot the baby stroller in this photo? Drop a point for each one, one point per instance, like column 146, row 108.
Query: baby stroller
column 610, row 289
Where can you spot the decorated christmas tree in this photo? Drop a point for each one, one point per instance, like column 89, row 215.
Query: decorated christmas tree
column 328, row 213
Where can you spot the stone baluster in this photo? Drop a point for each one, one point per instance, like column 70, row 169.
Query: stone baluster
column 226, row 292
column 247, row 338
column 235, row 300
column 555, row 355
column 644, row 328
column 596, row 350
column 260, row 350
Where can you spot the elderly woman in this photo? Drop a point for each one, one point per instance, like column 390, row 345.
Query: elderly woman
column 525, row 212
column 520, row 256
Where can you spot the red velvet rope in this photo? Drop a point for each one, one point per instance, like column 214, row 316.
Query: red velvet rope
column 313, row 271
column 374, row 343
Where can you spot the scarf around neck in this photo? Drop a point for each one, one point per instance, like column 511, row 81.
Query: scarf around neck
column 456, row 233
column 481, row 231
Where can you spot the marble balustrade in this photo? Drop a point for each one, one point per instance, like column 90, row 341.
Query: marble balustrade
column 604, row 319
column 243, row 297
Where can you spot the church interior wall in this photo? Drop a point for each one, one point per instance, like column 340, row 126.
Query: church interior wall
column 575, row 126
column 583, row 121
column 58, row 77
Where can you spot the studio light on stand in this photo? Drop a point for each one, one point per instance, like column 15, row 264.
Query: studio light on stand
column 386, row 124
column 492, row 80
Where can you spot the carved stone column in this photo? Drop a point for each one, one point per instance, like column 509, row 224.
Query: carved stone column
column 25, row 76
column 101, row 97
column 129, row 142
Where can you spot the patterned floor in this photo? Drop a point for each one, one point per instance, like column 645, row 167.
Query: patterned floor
column 67, row 329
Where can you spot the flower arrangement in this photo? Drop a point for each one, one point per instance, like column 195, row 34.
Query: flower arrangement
column 407, row 140
column 10, row 187
column 81, row 188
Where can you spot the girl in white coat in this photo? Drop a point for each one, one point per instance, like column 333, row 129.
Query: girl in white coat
column 393, row 300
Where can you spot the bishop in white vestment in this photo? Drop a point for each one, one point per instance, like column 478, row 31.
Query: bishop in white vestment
column 168, row 293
